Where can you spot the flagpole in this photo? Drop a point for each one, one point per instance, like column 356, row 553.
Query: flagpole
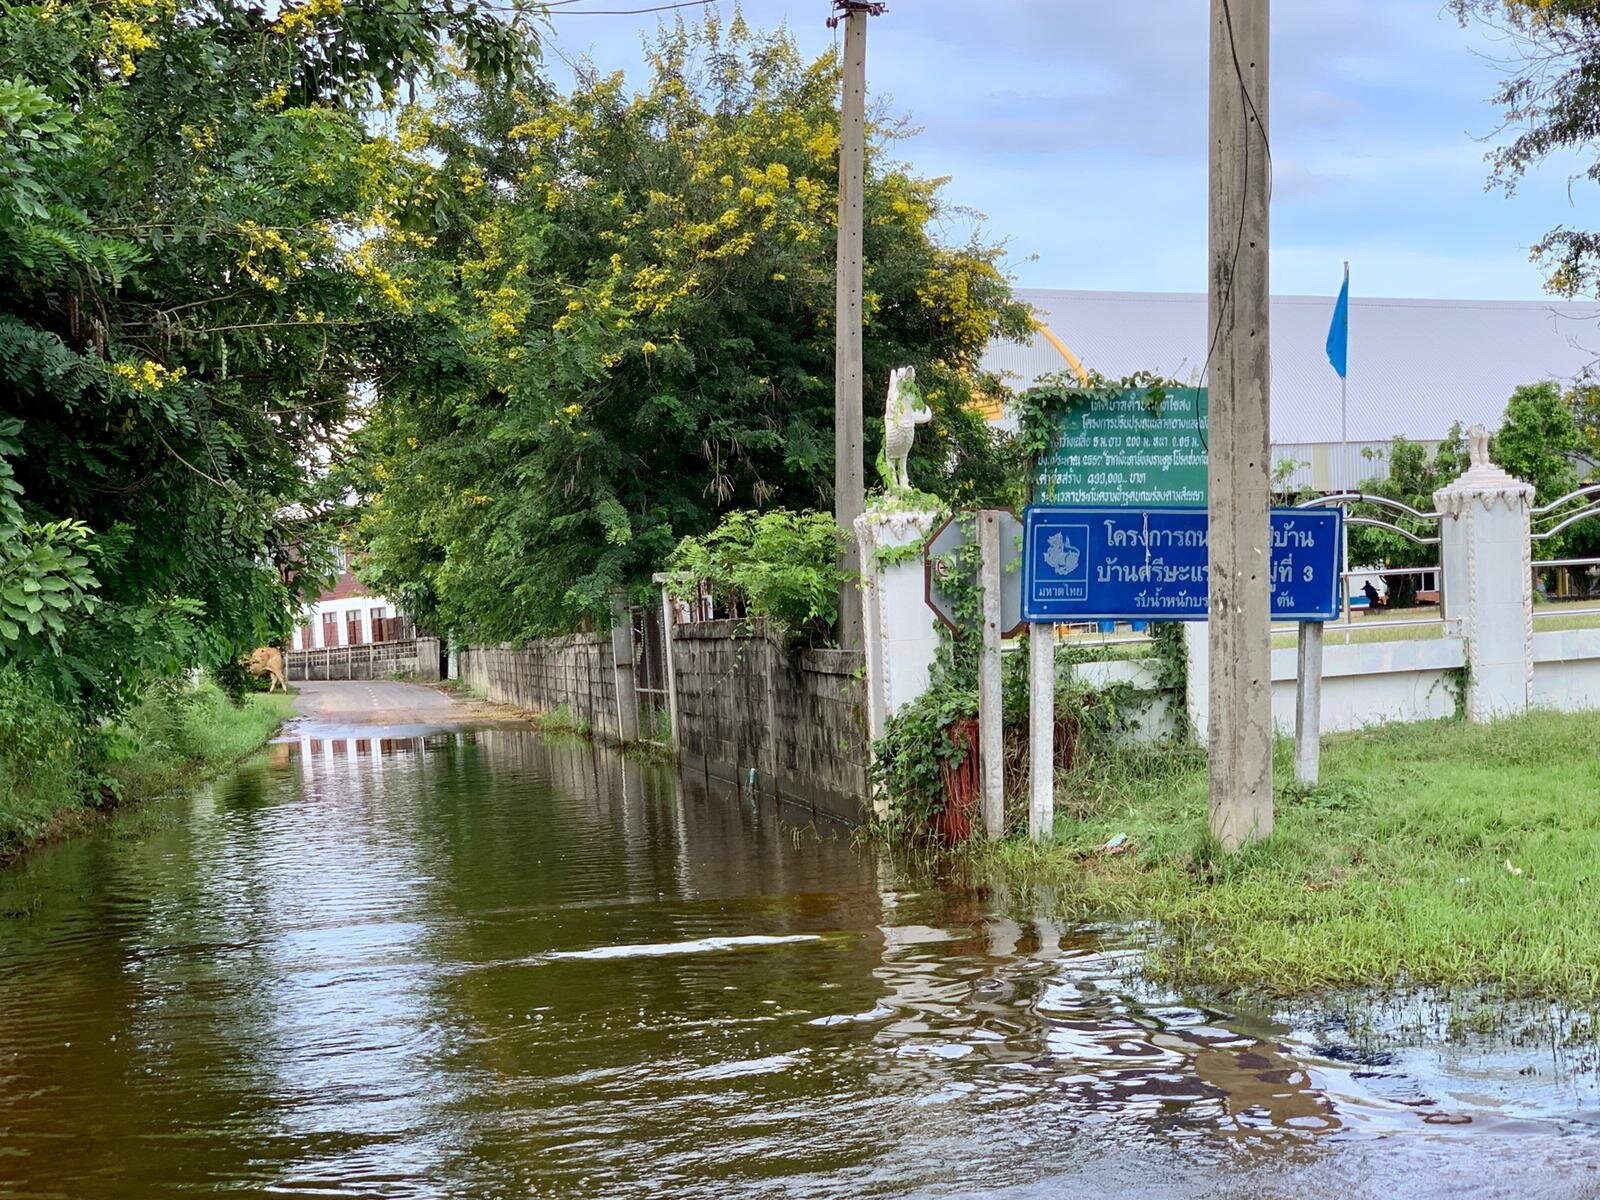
column 1344, row 453
column 1344, row 379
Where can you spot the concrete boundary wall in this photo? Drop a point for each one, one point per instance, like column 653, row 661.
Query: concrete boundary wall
column 576, row 671
column 1366, row 684
column 1376, row 683
column 1566, row 670
column 798, row 720
column 744, row 703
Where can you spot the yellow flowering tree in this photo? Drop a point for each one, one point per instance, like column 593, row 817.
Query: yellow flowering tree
column 630, row 331
column 190, row 302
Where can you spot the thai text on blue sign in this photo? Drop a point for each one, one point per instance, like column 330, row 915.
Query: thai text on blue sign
column 1154, row 564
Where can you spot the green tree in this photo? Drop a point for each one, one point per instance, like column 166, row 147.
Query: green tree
column 630, row 332
column 1413, row 477
column 189, row 301
column 1539, row 440
column 1542, row 441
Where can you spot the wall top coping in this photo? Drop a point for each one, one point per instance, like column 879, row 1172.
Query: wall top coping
column 558, row 642
column 833, row 662
column 1563, row 645
column 893, row 527
column 735, row 628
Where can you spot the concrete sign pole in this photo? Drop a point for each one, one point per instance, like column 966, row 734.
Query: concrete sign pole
column 1240, row 633
column 991, row 735
column 1041, row 731
column 849, row 490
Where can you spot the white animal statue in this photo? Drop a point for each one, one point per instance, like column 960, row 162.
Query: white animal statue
column 902, row 413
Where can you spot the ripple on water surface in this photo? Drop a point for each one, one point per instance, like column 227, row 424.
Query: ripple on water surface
column 478, row 964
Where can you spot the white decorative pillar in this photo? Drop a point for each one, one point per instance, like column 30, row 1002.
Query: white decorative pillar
column 901, row 635
column 1484, row 526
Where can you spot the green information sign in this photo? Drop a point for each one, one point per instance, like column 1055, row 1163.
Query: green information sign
column 1121, row 448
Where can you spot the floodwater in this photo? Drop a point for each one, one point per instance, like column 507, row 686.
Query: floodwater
column 483, row 964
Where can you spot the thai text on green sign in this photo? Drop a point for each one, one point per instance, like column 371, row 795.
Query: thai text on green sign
column 1125, row 448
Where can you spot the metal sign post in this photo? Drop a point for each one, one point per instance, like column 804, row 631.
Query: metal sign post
column 991, row 749
column 1308, row 704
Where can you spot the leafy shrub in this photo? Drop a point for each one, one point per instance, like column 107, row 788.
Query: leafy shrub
column 916, row 744
column 778, row 565
column 235, row 682
column 906, row 760
column 41, row 756
column 44, row 568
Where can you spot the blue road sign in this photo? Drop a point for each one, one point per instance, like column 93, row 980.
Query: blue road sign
column 1081, row 564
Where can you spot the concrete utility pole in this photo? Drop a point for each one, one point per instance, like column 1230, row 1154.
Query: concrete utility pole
column 1240, row 611
column 849, row 491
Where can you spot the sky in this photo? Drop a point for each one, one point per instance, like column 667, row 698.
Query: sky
column 1079, row 131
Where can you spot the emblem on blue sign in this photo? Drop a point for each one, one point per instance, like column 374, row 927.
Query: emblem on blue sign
column 1066, row 554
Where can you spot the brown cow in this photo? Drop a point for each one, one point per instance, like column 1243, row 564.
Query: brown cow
column 268, row 660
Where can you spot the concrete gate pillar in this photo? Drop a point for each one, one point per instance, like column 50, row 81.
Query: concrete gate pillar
column 900, row 632
column 1484, row 526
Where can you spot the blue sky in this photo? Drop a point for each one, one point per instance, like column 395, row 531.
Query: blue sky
column 1079, row 131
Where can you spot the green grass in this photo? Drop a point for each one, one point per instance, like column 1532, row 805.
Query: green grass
column 178, row 737
column 56, row 779
column 1392, row 873
column 561, row 720
column 1548, row 618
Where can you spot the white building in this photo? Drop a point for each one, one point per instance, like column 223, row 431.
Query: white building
column 346, row 615
column 1415, row 366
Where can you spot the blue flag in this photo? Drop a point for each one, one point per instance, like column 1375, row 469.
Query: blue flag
column 1339, row 330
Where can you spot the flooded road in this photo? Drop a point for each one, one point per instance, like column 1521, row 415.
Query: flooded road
column 478, row 963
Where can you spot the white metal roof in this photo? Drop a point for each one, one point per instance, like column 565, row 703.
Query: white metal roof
column 1416, row 366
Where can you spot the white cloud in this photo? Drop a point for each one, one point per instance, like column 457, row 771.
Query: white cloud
column 1081, row 131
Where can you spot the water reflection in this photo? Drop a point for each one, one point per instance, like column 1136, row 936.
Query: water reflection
column 478, row 963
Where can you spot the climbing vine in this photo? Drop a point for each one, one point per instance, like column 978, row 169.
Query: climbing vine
column 1039, row 408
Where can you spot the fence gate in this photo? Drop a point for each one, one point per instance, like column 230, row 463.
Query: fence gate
column 650, row 676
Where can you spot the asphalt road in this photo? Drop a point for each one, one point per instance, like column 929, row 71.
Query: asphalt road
column 381, row 702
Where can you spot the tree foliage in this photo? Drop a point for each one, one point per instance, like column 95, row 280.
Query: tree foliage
column 1550, row 104
column 188, row 299
column 777, row 565
column 629, row 331
column 1540, row 441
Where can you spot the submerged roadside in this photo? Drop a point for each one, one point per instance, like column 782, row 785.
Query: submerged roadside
column 57, row 777
column 1442, row 855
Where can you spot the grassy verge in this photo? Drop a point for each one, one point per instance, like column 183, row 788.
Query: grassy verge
column 55, row 777
column 180, row 737
column 1437, row 854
